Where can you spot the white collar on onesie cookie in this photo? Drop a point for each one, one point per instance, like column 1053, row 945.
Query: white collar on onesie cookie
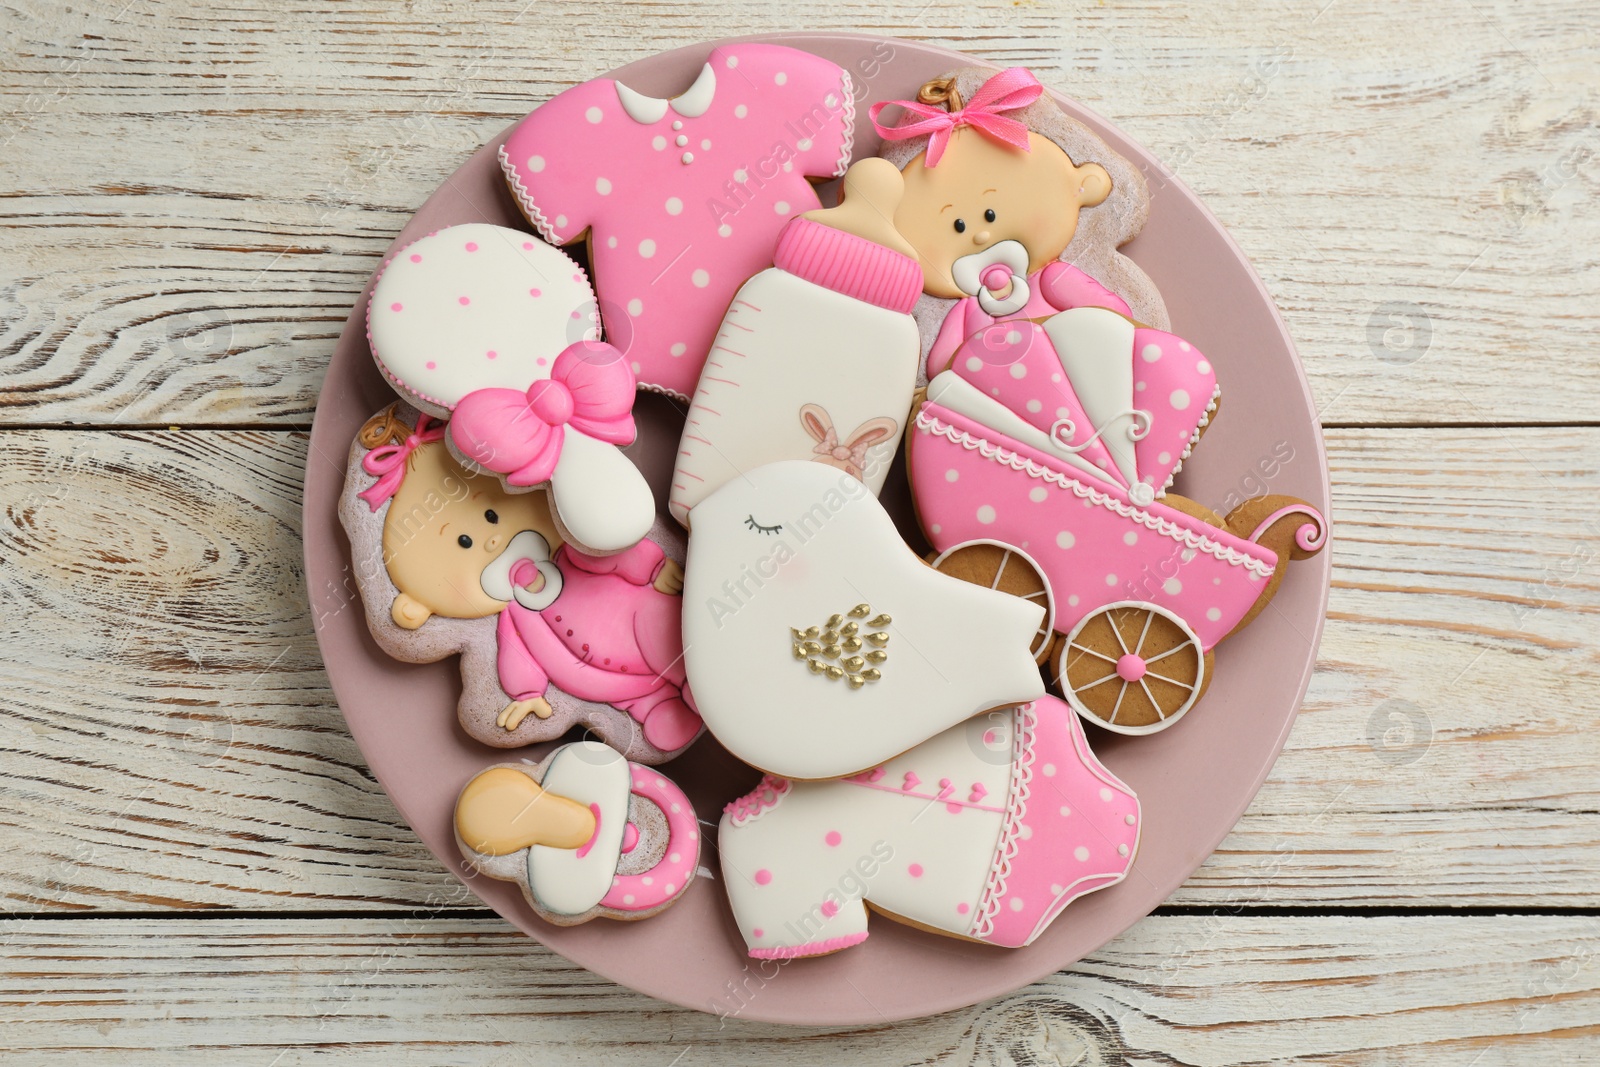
column 691, row 104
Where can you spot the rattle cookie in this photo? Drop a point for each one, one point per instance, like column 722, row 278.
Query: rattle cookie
column 498, row 332
column 585, row 833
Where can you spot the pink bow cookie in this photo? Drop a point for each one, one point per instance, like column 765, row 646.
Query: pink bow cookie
column 520, row 434
column 851, row 455
column 1010, row 90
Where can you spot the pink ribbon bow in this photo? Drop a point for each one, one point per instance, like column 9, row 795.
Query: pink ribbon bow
column 388, row 462
column 1012, row 88
column 519, row 435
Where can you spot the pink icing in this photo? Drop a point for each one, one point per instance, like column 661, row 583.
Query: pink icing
column 763, row 877
column 777, row 116
column 520, row 434
column 833, row 838
column 766, row 794
column 1310, row 536
column 815, row 948
column 630, row 838
column 845, row 263
column 667, row 878
column 1049, row 859
column 1130, row 668
column 1078, row 533
column 594, row 809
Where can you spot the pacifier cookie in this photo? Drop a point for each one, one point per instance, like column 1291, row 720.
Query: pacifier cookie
column 584, row 833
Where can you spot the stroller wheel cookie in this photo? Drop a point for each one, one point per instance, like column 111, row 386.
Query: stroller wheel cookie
column 1132, row 667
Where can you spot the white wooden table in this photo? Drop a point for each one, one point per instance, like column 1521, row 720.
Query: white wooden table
column 195, row 864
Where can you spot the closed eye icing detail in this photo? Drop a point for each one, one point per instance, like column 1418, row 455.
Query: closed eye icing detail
column 751, row 523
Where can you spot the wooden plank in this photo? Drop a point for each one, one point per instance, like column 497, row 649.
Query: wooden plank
column 1415, row 183
column 1434, row 991
column 169, row 739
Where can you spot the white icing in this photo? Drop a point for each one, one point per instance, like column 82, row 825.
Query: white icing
column 961, row 396
column 600, row 497
column 641, row 108
column 953, row 851
column 786, row 342
column 694, row 102
column 433, row 326
column 1095, row 347
column 691, row 104
column 589, row 773
column 955, row 648
column 967, row 272
column 496, row 577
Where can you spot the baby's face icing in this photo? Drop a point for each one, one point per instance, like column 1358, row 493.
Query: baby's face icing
column 445, row 526
column 982, row 193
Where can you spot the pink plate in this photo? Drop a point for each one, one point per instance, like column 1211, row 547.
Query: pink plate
column 1194, row 780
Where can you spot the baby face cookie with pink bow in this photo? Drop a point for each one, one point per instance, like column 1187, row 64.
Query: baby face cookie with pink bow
column 448, row 562
column 585, row 833
column 1015, row 210
column 498, row 332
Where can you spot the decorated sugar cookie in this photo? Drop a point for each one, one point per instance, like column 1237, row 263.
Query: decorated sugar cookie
column 819, row 645
column 585, row 833
column 817, row 356
column 1050, row 448
column 499, row 332
column 985, row 832
column 450, row 563
column 1016, row 210
column 682, row 199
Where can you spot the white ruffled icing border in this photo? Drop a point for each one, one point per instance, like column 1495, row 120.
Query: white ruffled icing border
column 847, row 146
column 525, row 200
column 930, row 424
column 994, row 889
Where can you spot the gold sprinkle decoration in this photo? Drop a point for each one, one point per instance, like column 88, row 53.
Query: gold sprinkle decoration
column 845, row 643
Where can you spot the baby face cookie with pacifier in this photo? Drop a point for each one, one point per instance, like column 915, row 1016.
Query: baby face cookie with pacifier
column 448, row 562
column 585, row 833
column 1015, row 210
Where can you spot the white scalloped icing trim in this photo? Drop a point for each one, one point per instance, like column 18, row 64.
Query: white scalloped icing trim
column 525, row 200
column 1194, row 437
column 847, row 87
column 663, row 390
column 994, row 889
column 930, row 424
